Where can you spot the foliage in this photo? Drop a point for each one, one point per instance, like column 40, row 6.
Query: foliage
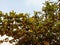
column 35, row 30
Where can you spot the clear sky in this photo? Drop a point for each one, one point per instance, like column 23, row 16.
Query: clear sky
column 21, row 5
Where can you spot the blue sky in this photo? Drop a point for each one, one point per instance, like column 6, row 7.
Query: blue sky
column 21, row 5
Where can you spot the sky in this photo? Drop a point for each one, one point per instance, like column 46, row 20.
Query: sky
column 26, row 6
column 20, row 5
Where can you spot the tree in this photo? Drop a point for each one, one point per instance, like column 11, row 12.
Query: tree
column 35, row 30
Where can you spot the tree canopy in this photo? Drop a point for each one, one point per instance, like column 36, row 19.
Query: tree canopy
column 35, row 30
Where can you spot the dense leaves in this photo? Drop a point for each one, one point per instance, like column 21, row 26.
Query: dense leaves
column 40, row 29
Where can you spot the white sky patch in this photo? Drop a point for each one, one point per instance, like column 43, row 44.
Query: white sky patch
column 53, row 0
column 3, row 38
column 34, row 2
column 6, row 43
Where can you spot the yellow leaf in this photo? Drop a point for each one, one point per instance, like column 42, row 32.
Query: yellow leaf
column 30, row 31
column 31, row 19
